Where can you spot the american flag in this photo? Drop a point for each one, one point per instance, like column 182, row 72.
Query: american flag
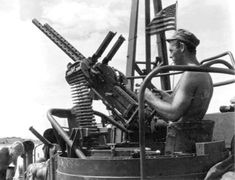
column 164, row 20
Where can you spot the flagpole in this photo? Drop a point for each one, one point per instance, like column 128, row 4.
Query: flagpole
column 162, row 48
column 176, row 15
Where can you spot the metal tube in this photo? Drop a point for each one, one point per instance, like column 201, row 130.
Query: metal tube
column 220, row 55
column 40, row 137
column 147, row 38
column 162, row 48
column 216, row 61
column 115, row 123
column 103, row 46
column 132, row 40
column 224, row 83
column 62, row 133
column 113, row 50
column 159, row 75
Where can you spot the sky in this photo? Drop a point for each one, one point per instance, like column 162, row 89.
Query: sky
column 32, row 71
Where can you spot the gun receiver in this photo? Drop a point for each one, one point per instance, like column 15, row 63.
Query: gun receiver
column 62, row 43
column 103, row 46
column 40, row 137
column 114, row 49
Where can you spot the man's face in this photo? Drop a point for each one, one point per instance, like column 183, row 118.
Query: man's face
column 175, row 52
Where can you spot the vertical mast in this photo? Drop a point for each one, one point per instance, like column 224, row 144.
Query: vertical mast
column 131, row 53
column 162, row 49
column 147, row 38
column 131, row 65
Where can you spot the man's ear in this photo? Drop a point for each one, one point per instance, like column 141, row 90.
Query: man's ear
column 182, row 47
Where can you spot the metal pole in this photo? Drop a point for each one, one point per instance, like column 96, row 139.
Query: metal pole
column 62, row 133
column 147, row 37
column 148, row 69
column 162, row 48
column 131, row 52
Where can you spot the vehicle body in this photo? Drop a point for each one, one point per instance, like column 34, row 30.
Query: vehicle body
column 122, row 148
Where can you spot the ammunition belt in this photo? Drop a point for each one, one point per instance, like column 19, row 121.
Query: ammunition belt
column 84, row 115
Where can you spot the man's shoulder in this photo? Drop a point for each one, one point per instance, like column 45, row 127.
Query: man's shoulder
column 196, row 78
column 4, row 150
column 196, row 75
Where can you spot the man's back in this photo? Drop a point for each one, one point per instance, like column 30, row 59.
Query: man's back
column 198, row 88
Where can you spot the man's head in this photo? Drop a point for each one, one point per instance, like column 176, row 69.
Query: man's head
column 181, row 42
column 16, row 149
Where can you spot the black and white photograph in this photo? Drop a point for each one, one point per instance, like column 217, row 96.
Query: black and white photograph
column 117, row 90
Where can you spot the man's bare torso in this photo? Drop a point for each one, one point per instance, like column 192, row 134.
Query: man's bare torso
column 199, row 91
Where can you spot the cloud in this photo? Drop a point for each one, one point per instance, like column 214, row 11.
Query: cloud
column 5, row 6
column 79, row 19
column 30, row 9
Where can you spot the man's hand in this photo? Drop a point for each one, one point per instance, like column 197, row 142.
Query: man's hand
column 157, row 92
column 150, row 96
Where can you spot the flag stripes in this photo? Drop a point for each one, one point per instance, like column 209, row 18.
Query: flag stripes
column 164, row 20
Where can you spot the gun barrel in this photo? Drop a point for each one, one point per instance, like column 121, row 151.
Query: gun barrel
column 40, row 137
column 103, row 46
column 66, row 43
column 63, row 44
column 114, row 49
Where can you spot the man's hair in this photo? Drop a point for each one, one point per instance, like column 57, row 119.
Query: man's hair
column 17, row 148
column 190, row 48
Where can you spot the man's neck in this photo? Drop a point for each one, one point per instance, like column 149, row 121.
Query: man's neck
column 190, row 60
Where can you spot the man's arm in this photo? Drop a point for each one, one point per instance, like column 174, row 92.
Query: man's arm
column 163, row 95
column 181, row 100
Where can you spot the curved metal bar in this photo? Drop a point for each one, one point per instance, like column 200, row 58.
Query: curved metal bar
column 231, row 57
column 60, row 130
column 221, row 55
column 224, row 83
column 162, row 74
column 148, row 79
column 218, row 61
column 115, row 123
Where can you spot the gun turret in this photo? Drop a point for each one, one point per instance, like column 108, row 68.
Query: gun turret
column 114, row 49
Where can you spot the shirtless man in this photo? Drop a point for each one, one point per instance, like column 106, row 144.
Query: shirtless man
column 190, row 98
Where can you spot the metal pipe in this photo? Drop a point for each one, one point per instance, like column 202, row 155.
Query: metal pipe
column 147, row 38
column 103, row 46
column 220, row 55
column 162, row 74
column 132, row 40
column 224, row 83
column 216, row 61
column 115, row 123
column 162, row 48
column 40, row 137
column 113, row 50
column 62, row 133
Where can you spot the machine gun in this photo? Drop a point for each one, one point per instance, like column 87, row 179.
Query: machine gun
column 93, row 80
